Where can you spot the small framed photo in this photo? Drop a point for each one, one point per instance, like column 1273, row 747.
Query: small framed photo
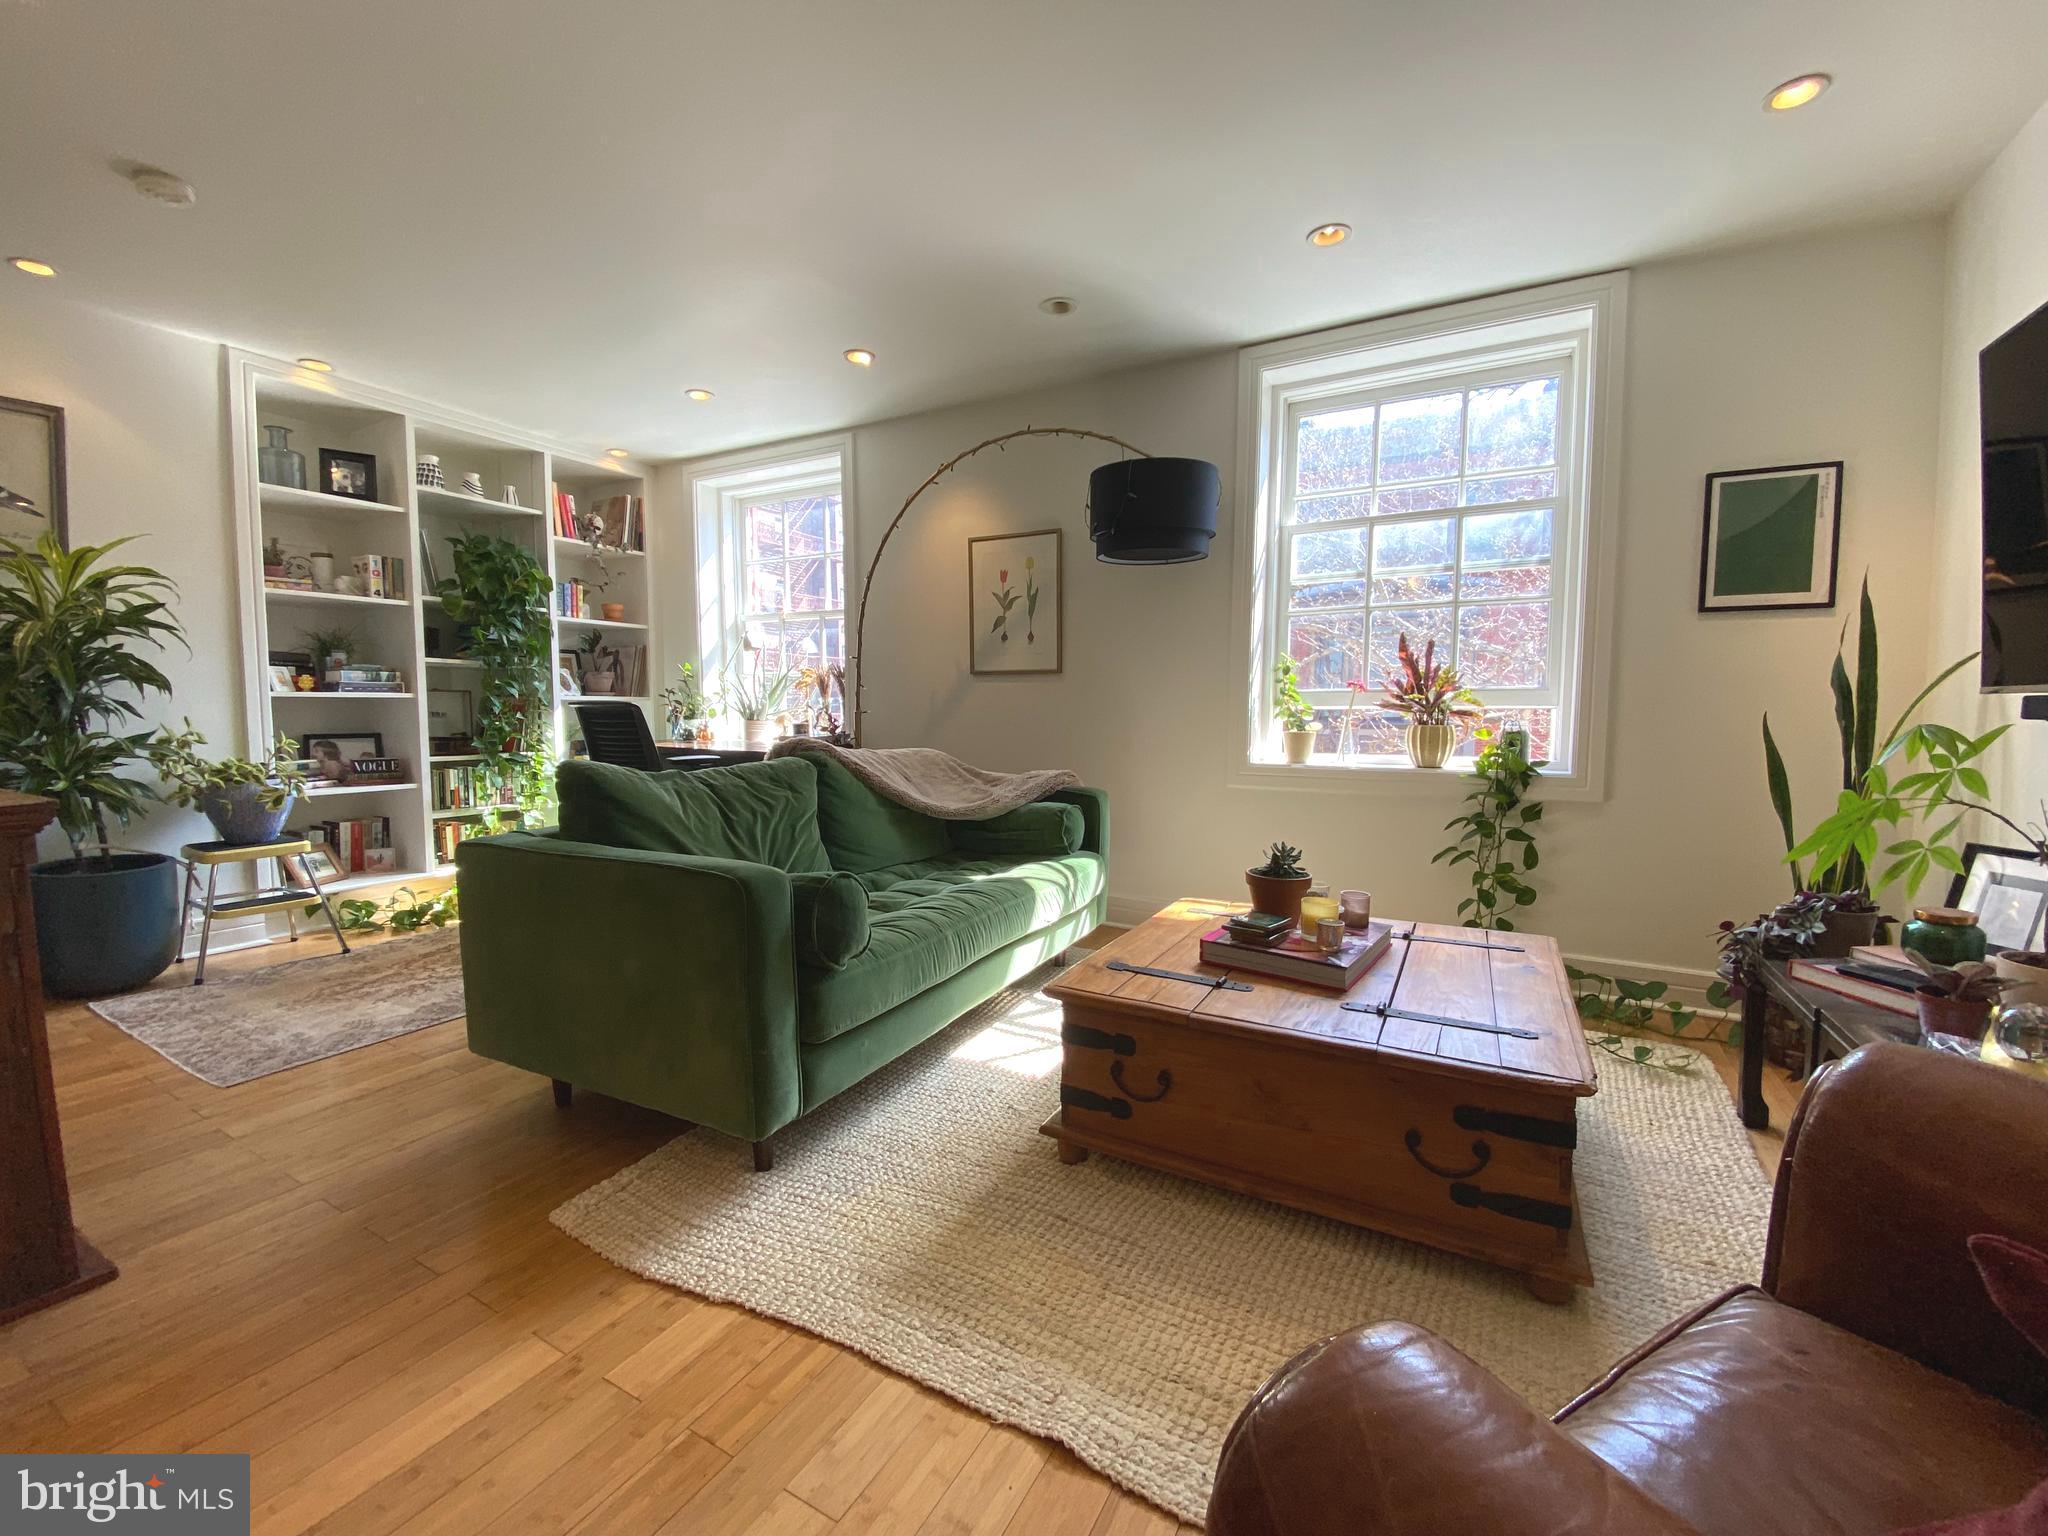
column 348, row 474
column 329, row 756
column 449, row 712
column 2008, row 890
column 1015, row 602
column 31, row 471
column 323, row 865
column 1771, row 537
column 283, row 679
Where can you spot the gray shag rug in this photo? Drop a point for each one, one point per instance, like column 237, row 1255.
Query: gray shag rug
column 920, row 1219
column 244, row 1025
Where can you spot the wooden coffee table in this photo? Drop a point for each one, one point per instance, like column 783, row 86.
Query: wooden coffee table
column 1437, row 1100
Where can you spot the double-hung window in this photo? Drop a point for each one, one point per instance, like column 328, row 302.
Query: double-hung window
column 1439, row 478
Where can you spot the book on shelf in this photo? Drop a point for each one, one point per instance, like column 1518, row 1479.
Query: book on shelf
column 1829, row 976
column 360, row 845
column 376, row 770
column 364, row 679
column 449, row 835
column 1297, row 959
column 462, row 787
column 381, row 576
column 289, row 583
column 609, row 523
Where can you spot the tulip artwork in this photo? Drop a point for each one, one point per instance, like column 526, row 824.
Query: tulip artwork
column 1014, row 602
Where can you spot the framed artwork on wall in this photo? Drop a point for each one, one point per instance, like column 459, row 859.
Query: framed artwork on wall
column 2008, row 890
column 32, row 471
column 1771, row 537
column 1015, row 602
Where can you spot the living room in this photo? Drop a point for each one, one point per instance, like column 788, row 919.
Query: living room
column 881, row 1113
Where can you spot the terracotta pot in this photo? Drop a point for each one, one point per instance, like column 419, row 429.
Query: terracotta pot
column 1953, row 1016
column 2028, row 968
column 1280, row 897
column 1429, row 746
column 1298, row 745
column 1841, row 932
column 612, row 611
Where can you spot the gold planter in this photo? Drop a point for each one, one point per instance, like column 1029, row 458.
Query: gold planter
column 1429, row 746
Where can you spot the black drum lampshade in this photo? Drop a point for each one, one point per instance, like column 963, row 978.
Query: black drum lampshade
column 1153, row 511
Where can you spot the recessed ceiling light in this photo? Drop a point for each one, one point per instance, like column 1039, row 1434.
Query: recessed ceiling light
column 31, row 266
column 1057, row 305
column 698, row 394
column 1329, row 234
column 860, row 357
column 618, row 453
column 316, row 365
column 1797, row 92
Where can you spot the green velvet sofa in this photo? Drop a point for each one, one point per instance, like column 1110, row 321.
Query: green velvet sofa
column 735, row 946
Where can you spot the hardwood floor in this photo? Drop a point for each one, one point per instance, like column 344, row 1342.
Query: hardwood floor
column 346, row 1270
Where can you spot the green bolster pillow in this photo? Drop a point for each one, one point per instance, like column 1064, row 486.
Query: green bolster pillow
column 1047, row 828
column 831, row 919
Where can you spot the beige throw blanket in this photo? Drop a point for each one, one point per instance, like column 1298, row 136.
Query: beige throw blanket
column 931, row 781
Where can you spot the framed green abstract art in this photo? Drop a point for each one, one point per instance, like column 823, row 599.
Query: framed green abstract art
column 1771, row 538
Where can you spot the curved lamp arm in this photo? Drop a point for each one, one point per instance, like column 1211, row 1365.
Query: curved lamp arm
column 860, row 622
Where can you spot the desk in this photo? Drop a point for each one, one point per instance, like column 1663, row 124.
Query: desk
column 726, row 753
column 1835, row 1026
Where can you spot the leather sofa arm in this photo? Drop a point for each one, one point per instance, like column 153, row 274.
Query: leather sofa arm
column 1387, row 1431
column 1895, row 1159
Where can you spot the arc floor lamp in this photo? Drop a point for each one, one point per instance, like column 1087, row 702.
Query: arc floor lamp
column 1142, row 510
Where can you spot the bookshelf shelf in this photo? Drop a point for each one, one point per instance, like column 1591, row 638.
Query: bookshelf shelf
column 455, row 663
column 286, row 595
column 461, row 504
column 329, row 695
column 475, row 813
column 296, row 500
column 390, row 877
column 578, row 547
column 444, row 758
column 333, row 790
column 563, row 621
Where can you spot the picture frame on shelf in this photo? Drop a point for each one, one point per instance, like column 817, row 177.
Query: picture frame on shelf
column 2008, row 890
column 32, row 500
column 1016, row 602
column 324, row 869
column 1771, row 538
column 353, row 475
column 331, row 752
column 283, row 679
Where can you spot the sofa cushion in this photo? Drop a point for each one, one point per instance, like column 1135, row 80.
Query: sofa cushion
column 932, row 917
column 830, row 918
column 763, row 813
column 1036, row 830
column 1825, row 1430
column 862, row 831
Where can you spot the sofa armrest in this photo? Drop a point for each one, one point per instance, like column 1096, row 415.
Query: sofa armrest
column 1387, row 1430
column 663, row 979
column 1896, row 1158
column 1094, row 804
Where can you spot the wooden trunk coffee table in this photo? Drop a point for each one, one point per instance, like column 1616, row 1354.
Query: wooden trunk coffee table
column 1437, row 1100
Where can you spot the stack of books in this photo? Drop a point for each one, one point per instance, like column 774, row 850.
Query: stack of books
column 289, row 583
column 573, row 600
column 381, row 575
column 366, row 679
column 1877, row 975
column 361, row 846
column 1294, row 958
column 624, row 520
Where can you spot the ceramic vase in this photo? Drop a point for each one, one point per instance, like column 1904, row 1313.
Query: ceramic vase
column 472, row 484
column 1299, row 745
column 278, row 463
column 429, row 472
column 1429, row 746
column 598, row 682
column 2030, row 969
column 760, row 735
column 239, row 815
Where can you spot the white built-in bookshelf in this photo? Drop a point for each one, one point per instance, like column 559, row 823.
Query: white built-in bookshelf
column 410, row 634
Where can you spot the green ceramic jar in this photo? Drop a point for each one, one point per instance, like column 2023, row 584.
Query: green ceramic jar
column 1945, row 935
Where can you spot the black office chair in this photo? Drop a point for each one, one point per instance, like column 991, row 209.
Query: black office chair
column 616, row 732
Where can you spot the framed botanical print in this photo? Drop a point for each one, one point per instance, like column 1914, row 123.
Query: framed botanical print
column 1771, row 538
column 1015, row 599
column 32, row 471
column 2008, row 890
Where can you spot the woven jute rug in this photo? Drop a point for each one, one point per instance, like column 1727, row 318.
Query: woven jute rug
column 920, row 1219
column 243, row 1025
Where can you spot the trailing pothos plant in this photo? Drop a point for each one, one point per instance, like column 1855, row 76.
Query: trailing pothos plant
column 406, row 911
column 1645, row 1007
column 500, row 592
column 1494, row 836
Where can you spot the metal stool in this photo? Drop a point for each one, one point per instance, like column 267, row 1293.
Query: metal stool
column 213, row 855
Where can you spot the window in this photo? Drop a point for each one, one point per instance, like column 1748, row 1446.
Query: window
column 771, row 568
column 1431, row 477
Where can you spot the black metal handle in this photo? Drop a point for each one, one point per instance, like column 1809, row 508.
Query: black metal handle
column 1481, row 1152
column 1116, row 1075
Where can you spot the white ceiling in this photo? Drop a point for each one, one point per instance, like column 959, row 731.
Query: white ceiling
column 562, row 215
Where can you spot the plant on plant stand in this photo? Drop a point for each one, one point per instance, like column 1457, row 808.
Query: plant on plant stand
column 1428, row 692
column 501, row 593
column 246, row 801
column 1496, row 827
column 75, row 631
column 1297, row 720
column 1278, row 885
column 757, row 695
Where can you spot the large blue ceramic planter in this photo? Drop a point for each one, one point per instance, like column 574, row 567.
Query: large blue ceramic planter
column 239, row 815
column 107, row 925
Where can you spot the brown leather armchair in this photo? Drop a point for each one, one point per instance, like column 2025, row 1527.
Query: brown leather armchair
column 1865, row 1385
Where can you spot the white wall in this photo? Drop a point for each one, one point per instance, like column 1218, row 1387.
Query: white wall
column 1816, row 349
column 1997, row 276
column 145, row 423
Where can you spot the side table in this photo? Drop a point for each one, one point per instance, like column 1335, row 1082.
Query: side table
column 211, row 856
column 1835, row 1026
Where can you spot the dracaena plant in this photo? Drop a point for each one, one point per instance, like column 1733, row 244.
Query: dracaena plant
column 76, row 635
column 1426, row 690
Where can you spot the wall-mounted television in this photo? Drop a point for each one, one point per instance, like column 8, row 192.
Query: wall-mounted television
column 2012, row 392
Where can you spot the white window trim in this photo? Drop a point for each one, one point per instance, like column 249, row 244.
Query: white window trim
column 717, row 486
column 1275, row 377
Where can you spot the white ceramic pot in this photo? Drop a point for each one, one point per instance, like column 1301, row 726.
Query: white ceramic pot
column 1429, row 746
column 1299, row 744
column 598, row 682
column 2033, row 978
column 760, row 735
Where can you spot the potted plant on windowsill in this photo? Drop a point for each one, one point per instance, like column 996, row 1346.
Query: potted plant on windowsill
column 683, row 704
column 1278, row 885
column 757, row 697
column 75, row 631
column 1297, row 720
column 1428, row 692
column 247, row 802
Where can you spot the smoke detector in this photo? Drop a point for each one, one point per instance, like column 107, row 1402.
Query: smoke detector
column 1057, row 305
column 162, row 186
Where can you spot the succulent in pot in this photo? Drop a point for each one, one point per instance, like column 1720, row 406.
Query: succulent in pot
column 1278, row 885
column 1429, row 693
column 1956, row 999
column 246, row 801
column 1297, row 720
